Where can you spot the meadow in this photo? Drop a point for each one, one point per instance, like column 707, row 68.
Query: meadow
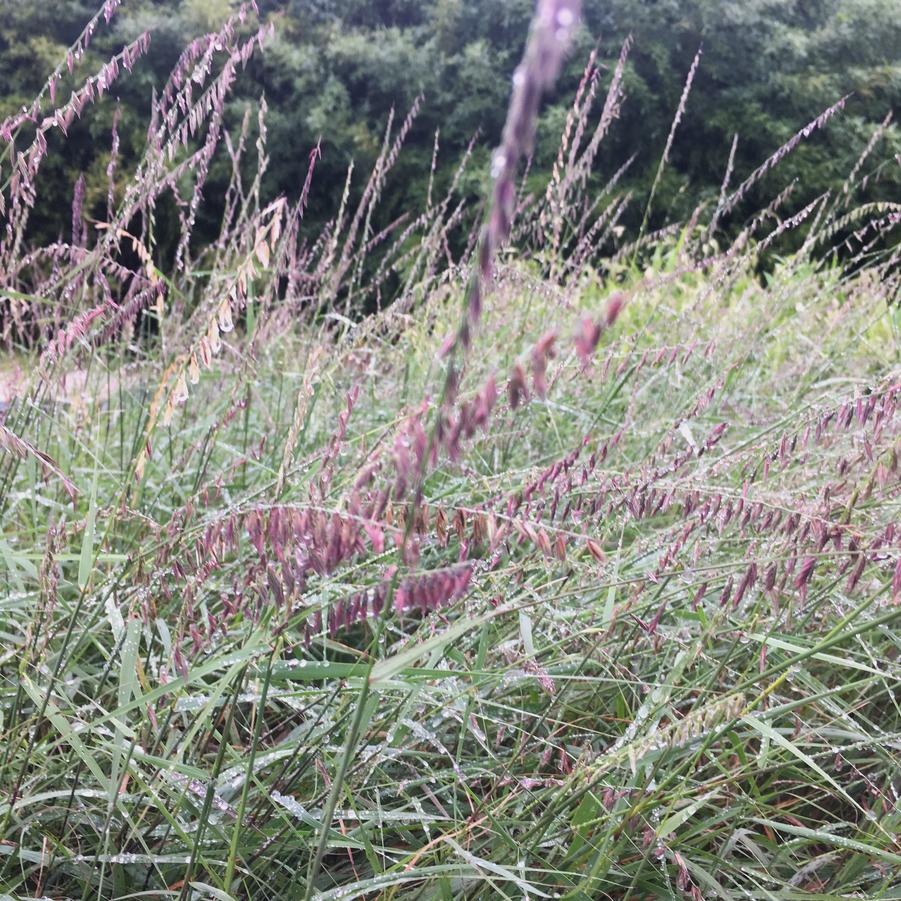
column 355, row 564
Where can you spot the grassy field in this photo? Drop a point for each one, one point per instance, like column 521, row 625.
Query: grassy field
column 597, row 599
column 674, row 666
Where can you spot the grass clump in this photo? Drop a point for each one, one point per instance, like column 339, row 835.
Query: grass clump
column 594, row 595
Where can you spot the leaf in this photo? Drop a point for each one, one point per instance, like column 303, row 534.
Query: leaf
column 837, row 841
column 216, row 893
column 386, row 669
column 365, row 888
column 586, row 812
column 714, row 888
column 85, row 563
column 779, row 739
column 525, row 631
column 15, row 562
column 61, row 724
column 128, row 688
column 675, row 820
column 316, row 671
column 825, row 658
column 611, row 592
column 480, row 863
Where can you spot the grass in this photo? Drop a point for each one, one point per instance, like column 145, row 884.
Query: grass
column 288, row 612
column 539, row 736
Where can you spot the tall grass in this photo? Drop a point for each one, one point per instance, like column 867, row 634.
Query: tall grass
column 592, row 591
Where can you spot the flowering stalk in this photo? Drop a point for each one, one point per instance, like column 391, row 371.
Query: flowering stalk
column 551, row 31
column 552, row 28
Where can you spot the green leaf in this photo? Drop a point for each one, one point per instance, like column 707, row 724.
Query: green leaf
column 386, row 669
column 778, row 738
column 480, row 863
column 837, row 841
column 675, row 820
column 86, row 561
column 61, row 724
column 216, row 893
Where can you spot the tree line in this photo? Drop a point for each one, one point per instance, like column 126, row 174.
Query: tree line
column 334, row 70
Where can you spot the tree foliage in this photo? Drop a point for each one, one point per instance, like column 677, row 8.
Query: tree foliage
column 335, row 69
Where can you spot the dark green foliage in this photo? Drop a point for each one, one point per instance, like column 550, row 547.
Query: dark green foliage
column 336, row 68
